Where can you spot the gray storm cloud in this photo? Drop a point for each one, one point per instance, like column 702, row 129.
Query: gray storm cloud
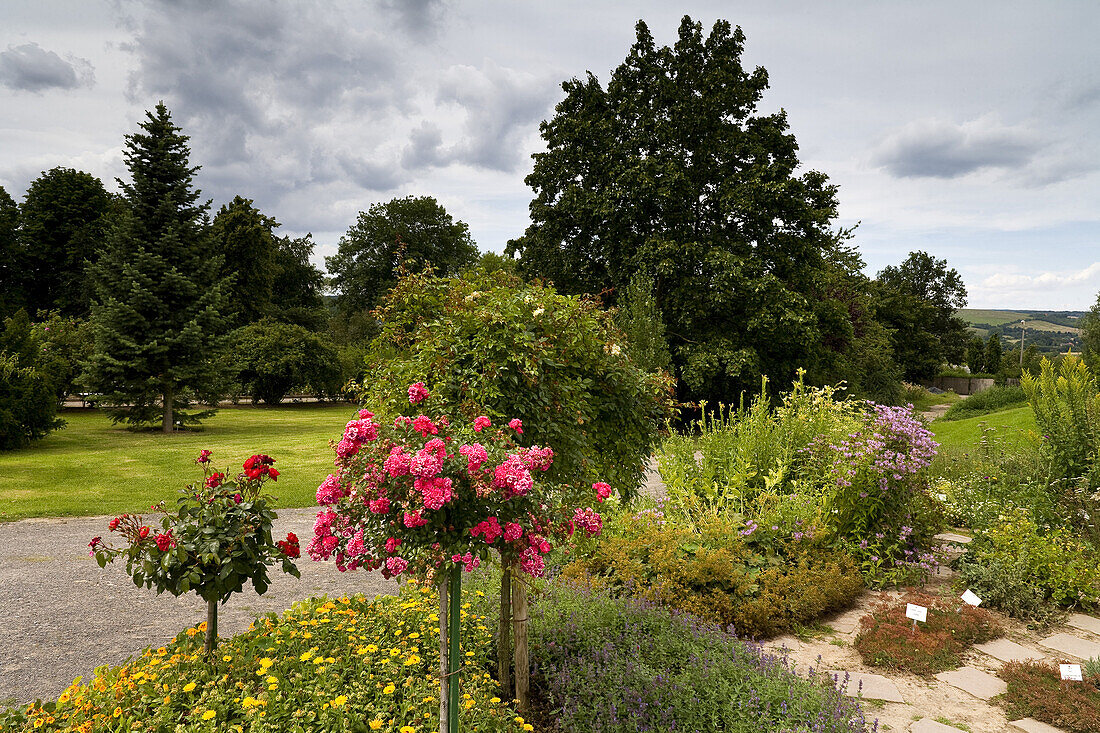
column 31, row 68
column 934, row 149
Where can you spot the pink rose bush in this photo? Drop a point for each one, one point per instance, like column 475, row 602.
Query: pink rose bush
column 420, row 495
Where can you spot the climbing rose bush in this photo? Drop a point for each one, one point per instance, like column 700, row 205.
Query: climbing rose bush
column 216, row 538
column 420, row 494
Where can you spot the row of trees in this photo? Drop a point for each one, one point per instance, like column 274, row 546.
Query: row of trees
column 666, row 194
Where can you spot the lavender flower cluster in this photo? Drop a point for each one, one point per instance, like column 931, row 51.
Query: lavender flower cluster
column 622, row 665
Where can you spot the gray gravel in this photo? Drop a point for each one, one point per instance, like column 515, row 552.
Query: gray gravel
column 63, row 616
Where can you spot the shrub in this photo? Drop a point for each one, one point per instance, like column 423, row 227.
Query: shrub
column 492, row 345
column 719, row 569
column 620, row 666
column 989, row 400
column 269, row 359
column 28, row 406
column 887, row 639
column 639, row 318
column 1036, row 690
column 349, row 664
column 1013, row 553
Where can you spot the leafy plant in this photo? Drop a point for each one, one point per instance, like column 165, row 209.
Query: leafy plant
column 269, row 359
column 887, row 637
column 1066, row 403
column 217, row 538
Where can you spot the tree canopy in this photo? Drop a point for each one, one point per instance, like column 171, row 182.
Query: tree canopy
column 412, row 232
column 157, row 313
column 671, row 170
column 11, row 285
column 63, row 223
column 247, row 245
column 918, row 300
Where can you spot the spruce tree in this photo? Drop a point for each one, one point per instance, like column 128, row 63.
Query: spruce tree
column 157, row 312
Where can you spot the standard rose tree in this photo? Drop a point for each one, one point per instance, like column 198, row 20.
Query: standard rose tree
column 216, row 539
column 425, row 497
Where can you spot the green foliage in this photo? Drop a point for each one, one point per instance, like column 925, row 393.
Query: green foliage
column 1066, row 403
column 63, row 221
column 672, row 171
column 217, row 538
column 269, row 359
column 11, row 281
column 760, row 582
column 28, row 403
column 157, row 312
column 917, row 301
column 66, row 345
column 887, row 637
column 497, row 347
column 753, row 449
column 975, row 354
column 993, row 354
column 411, row 234
column 1036, row 690
column 639, row 318
column 922, row 399
column 243, row 236
column 1056, row 564
column 994, row 399
column 297, row 285
column 303, row 672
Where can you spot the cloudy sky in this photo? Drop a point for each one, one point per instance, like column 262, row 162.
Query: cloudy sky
column 969, row 130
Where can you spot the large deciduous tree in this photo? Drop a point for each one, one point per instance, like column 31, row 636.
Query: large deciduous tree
column 159, row 297
column 296, row 290
column 918, row 300
column 63, row 223
column 412, row 232
column 671, row 170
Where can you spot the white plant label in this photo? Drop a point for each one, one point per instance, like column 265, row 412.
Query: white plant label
column 915, row 612
column 970, row 597
column 1070, row 671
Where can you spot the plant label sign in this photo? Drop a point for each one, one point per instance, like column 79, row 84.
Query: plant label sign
column 915, row 612
column 1070, row 671
column 970, row 597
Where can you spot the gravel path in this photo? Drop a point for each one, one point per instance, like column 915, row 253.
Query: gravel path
column 62, row 616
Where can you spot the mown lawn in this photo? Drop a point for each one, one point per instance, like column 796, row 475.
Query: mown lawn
column 91, row 467
column 1012, row 427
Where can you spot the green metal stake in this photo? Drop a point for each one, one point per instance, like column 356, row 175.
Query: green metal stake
column 454, row 617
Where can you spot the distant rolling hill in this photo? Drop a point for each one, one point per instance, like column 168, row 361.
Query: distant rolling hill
column 1050, row 331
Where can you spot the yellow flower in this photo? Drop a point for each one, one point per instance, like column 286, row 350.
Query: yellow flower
column 305, row 656
column 209, row 715
column 528, row 726
column 339, row 701
column 273, row 680
column 266, row 662
column 227, row 658
column 376, row 724
column 388, row 689
column 189, row 686
column 408, row 729
column 494, row 700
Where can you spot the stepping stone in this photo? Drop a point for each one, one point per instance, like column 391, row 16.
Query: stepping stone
column 1085, row 623
column 927, row 725
column 1031, row 725
column 1008, row 651
column 958, row 539
column 976, row 682
column 846, row 623
column 867, row 686
column 1071, row 645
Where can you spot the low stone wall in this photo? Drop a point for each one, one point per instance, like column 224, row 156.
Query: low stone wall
column 962, row 385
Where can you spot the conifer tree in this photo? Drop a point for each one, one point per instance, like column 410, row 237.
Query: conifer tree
column 157, row 312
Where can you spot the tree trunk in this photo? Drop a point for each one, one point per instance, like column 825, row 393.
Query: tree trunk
column 444, row 655
column 168, row 425
column 519, row 625
column 211, row 628
column 504, row 647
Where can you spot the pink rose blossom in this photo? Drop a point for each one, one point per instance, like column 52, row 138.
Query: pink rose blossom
column 392, row 544
column 516, row 424
column 396, row 565
column 490, row 529
column 417, row 393
column 412, row 520
column 424, row 425
column 512, row 532
column 480, row 423
column 602, row 490
column 380, row 506
column 330, row 491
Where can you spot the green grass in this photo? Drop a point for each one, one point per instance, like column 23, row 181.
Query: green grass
column 922, row 399
column 986, row 402
column 991, row 317
column 91, row 467
column 1012, row 427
